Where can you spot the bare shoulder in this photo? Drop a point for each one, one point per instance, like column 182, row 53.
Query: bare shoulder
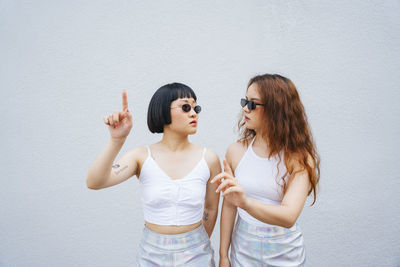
column 213, row 162
column 297, row 162
column 236, row 147
column 211, row 157
column 139, row 154
column 235, row 152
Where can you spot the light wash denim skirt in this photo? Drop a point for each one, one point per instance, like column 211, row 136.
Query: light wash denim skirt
column 266, row 246
column 188, row 249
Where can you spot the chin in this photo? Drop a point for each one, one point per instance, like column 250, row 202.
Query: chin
column 188, row 131
column 249, row 126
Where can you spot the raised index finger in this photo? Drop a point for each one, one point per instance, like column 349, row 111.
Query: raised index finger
column 227, row 168
column 124, row 101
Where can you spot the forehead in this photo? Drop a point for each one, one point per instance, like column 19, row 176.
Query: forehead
column 252, row 92
column 184, row 100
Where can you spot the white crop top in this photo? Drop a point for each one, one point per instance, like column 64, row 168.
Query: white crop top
column 166, row 201
column 258, row 178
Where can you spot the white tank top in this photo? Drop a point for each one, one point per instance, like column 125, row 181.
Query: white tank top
column 166, row 201
column 258, row 178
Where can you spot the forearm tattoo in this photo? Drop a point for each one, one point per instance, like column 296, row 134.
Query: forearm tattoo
column 118, row 168
column 205, row 216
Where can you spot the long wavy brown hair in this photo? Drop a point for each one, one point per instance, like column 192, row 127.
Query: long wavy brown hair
column 286, row 129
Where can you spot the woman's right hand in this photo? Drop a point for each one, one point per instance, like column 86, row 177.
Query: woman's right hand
column 224, row 262
column 120, row 122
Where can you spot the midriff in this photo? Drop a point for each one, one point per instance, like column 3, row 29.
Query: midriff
column 172, row 229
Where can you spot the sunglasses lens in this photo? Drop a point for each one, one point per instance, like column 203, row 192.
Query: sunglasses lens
column 251, row 105
column 243, row 102
column 186, row 107
column 197, row 109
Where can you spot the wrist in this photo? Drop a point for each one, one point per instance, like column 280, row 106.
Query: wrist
column 223, row 254
column 245, row 203
column 118, row 140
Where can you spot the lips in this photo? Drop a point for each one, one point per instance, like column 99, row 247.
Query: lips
column 246, row 118
column 193, row 122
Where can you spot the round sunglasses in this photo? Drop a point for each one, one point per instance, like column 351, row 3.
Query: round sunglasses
column 187, row 108
column 251, row 105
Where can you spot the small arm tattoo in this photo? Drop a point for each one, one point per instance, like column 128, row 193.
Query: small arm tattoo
column 118, row 171
column 205, row 216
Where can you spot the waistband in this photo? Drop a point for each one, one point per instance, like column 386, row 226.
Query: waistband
column 175, row 242
column 264, row 231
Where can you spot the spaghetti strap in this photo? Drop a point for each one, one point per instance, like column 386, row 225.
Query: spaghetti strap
column 148, row 151
column 204, row 152
column 252, row 141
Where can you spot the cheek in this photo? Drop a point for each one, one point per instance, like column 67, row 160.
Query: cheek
column 176, row 117
column 258, row 117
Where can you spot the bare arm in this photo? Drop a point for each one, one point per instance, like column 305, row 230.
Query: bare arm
column 292, row 204
column 210, row 209
column 212, row 198
column 103, row 173
column 228, row 216
column 284, row 215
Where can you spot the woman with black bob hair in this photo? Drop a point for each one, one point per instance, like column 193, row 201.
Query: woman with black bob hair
column 180, row 205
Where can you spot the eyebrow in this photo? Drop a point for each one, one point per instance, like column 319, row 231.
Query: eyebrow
column 187, row 101
column 254, row 98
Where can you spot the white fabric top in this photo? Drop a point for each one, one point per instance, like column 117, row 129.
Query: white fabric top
column 173, row 202
column 258, row 178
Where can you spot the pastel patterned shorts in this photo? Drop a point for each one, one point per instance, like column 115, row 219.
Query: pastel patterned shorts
column 266, row 246
column 188, row 249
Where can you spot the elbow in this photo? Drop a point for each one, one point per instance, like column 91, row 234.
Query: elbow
column 211, row 209
column 91, row 185
column 289, row 222
column 211, row 206
column 285, row 223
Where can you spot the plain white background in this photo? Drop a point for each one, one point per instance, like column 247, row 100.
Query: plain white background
column 63, row 65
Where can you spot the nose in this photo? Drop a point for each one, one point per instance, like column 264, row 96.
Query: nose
column 246, row 109
column 192, row 113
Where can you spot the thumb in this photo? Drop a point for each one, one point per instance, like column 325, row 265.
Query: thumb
column 227, row 168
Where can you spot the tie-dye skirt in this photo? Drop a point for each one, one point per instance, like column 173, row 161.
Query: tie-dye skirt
column 188, row 249
column 266, row 246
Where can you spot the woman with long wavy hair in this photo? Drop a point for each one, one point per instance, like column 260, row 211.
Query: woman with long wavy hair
column 269, row 172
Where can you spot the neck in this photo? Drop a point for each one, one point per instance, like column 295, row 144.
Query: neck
column 174, row 141
column 260, row 141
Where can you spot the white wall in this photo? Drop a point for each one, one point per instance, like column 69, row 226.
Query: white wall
column 64, row 64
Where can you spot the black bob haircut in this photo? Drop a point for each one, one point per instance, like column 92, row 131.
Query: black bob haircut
column 159, row 113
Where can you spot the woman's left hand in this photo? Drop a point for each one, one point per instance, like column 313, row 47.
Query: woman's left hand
column 230, row 187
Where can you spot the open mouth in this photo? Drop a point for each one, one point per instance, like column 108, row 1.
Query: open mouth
column 246, row 118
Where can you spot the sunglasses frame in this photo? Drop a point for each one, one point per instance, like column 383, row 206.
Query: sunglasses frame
column 187, row 108
column 251, row 105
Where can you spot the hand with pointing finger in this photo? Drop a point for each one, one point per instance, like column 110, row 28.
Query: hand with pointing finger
column 120, row 122
column 230, row 187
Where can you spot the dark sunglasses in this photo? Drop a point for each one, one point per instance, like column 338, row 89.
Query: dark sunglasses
column 187, row 108
column 251, row 105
